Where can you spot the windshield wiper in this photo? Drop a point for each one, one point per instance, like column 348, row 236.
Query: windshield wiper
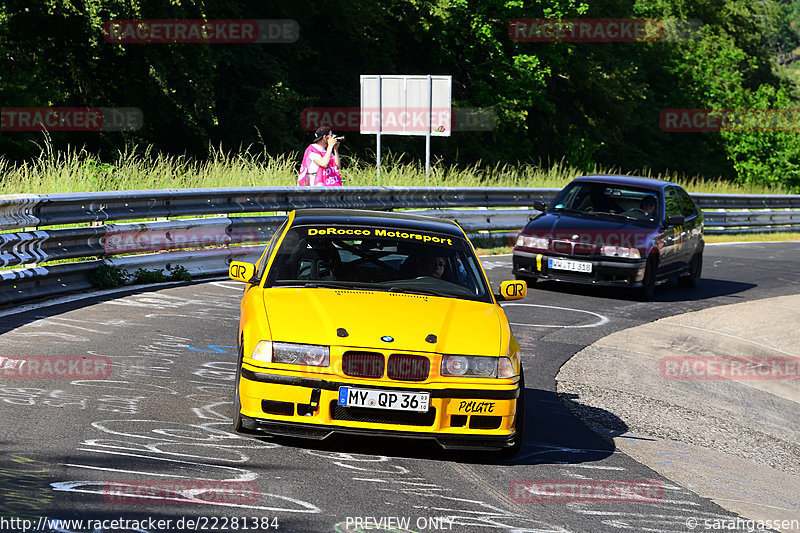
column 613, row 214
column 339, row 285
column 315, row 284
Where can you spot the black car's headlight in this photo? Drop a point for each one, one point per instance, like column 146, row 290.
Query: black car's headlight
column 621, row 251
column 476, row 366
column 531, row 241
column 292, row 354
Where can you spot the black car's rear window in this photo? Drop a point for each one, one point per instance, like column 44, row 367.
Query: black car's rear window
column 378, row 258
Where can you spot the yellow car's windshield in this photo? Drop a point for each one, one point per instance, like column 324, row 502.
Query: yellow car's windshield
column 378, row 258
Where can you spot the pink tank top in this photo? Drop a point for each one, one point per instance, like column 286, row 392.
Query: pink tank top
column 328, row 176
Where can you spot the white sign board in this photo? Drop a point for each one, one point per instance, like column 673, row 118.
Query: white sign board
column 406, row 105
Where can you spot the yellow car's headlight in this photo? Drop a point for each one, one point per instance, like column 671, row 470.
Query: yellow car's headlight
column 476, row 366
column 292, row 354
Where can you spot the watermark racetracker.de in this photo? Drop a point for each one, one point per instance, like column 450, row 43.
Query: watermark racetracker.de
column 70, row 119
column 196, row 31
column 140, row 239
column 675, row 120
column 181, row 491
column 398, row 120
column 585, row 490
column 55, row 367
column 730, row 368
column 601, row 30
column 585, row 30
column 144, row 524
column 587, row 240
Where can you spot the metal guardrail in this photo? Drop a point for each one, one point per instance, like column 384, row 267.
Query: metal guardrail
column 205, row 246
column 30, row 210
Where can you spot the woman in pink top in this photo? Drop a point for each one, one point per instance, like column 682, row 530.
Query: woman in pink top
column 320, row 166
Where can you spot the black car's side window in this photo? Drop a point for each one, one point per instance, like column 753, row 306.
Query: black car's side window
column 672, row 203
column 688, row 209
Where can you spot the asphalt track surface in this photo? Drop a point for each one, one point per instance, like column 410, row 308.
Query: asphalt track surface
column 165, row 414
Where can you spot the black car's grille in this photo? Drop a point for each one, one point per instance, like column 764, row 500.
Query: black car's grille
column 382, row 416
column 408, row 367
column 363, row 364
column 562, row 247
column 583, row 249
column 573, row 248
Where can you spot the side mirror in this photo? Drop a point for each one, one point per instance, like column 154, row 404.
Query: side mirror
column 676, row 220
column 539, row 205
column 512, row 290
column 241, row 271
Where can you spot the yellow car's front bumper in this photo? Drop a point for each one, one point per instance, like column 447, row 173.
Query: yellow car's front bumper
column 297, row 405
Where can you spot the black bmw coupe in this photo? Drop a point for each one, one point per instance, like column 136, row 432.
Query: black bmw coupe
column 616, row 231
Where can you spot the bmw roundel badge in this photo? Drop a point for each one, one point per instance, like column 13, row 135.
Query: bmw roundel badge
column 387, row 338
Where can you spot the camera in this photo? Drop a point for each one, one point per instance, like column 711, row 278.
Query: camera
column 338, row 138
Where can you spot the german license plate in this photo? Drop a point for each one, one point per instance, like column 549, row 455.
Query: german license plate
column 566, row 264
column 384, row 399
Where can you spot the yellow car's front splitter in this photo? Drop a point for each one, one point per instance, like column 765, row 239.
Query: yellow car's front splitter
column 309, row 407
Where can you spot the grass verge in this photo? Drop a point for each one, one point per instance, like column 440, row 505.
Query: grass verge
column 79, row 171
column 752, row 237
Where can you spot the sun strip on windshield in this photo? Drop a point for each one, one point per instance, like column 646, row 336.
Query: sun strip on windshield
column 380, row 232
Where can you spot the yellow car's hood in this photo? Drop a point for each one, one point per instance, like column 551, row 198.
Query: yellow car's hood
column 313, row 316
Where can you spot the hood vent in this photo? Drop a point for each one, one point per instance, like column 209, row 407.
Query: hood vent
column 404, row 295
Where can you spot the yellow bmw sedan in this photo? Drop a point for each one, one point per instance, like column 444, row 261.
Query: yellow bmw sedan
column 373, row 323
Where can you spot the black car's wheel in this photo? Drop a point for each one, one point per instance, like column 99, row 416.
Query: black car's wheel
column 531, row 282
column 648, row 288
column 519, row 421
column 237, row 404
column 691, row 279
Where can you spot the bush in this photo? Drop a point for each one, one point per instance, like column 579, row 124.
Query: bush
column 179, row 273
column 108, row 276
column 143, row 275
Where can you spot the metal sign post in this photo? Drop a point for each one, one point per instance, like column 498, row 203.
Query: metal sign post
column 428, row 131
column 378, row 136
column 406, row 105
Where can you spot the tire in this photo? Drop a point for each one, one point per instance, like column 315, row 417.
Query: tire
column 530, row 282
column 691, row 279
column 519, row 422
column 237, row 404
column 648, row 288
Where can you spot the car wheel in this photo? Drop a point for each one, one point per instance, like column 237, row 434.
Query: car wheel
column 648, row 287
column 530, row 282
column 519, row 421
column 237, row 404
column 691, row 279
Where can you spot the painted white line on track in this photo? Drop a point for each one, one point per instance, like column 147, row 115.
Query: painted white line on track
column 235, row 285
column 598, row 467
column 123, row 471
column 95, row 294
column 602, row 319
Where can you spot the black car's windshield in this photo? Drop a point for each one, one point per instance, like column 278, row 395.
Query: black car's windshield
column 377, row 258
column 609, row 200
